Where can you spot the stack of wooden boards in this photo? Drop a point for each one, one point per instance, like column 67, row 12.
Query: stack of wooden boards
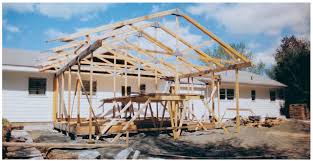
column 256, row 121
column 299, row 111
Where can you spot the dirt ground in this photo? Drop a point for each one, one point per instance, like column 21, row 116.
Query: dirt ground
column 290, row 140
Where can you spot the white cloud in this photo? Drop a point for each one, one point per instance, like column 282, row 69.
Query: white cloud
column 270, row 19
column 19, row 7
column 155, row 8
column 254, row 45
column 184, row 31
column 267, row 56
column 53, row 33
column 82, row 29
column 65, row 10
column 88, row 17
column 10, row 28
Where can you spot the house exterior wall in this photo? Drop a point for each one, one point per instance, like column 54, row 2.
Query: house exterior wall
column 261, row 106
column 19, row 106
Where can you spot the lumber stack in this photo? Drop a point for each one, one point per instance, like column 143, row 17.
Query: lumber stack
column 299, row 111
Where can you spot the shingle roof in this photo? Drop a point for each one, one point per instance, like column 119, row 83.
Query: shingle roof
column 246, row 78
column 29, row 58
column 19, row 57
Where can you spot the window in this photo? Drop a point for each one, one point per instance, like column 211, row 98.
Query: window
column 222, row 94
column 252, row 95
column 272, row 95
column 128, row 90
column 37, row 86
column 230, row 94
column 142, row 88
column 86, row 84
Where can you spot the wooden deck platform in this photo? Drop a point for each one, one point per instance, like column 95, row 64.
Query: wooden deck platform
column 154, row 97
column 138, row 126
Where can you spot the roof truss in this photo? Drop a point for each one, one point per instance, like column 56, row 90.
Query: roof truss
column 120, row 41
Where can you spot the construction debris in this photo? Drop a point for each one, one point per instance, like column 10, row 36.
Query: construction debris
column 136, row 154
column 256, row 121
column 20, row 152
column 123, row 154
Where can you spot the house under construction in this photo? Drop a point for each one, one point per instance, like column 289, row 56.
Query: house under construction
column 136, row 48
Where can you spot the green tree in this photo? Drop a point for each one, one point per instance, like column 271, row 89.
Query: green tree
column 293, row 69
column 219, row 52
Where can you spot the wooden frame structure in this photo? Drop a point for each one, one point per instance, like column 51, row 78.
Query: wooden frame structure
column 129, row 48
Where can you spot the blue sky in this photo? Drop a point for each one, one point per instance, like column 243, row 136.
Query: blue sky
column 259, row 26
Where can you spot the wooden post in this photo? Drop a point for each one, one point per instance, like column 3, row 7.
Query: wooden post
column 218, row 99
column 69, row 79
column 156, row 81
column 138, row 79
column 114, row 84
column 212, row 101
column 78, row 101
column 62, row 96
column 177, row 90
column 125, row 75
column 90, row 93
column 138, row 65
column 237, row 102
column 55, row 98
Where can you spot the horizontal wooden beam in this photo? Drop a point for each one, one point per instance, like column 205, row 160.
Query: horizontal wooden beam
column 204, row 72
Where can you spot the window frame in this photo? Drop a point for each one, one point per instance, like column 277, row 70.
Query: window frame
column 94, row 86
column 37, row 79
column 222, row 94
column 253, row 96
column 142, row 90
column 227, row 93
column 128, row 90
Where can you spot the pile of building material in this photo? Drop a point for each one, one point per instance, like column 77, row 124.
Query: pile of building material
column 21, row 136
column 257, row 121
column 299, row 111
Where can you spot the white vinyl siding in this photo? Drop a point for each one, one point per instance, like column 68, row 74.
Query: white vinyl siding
column 19, row 106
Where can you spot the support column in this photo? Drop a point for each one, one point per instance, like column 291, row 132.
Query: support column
column 90, row 95
column 78, row 101
column 237, row 103
column 55, row 98
column 62, row 96
column 69, row 81
column 218, row 99
column 212, row 99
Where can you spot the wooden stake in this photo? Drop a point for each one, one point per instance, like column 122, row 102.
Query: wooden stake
column 237, row 102
column 218, row 99
column 55, row 98
column 69, row 79
column 62, row 96
column 90, row 93
column 212, row 99
column 78, row 101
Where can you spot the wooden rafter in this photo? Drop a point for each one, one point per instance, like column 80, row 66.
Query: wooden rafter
column 164, row 47
column 114, row 25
